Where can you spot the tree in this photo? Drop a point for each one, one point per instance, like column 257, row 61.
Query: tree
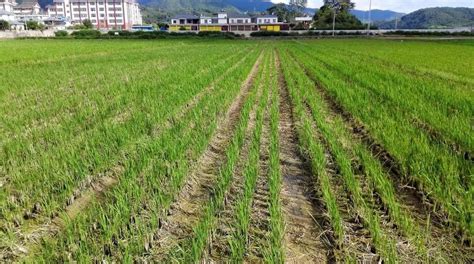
column 284, row 12
column 323, row 19
column 87, row 24
column 298, row 4
column 32, row 25
column 4, row 25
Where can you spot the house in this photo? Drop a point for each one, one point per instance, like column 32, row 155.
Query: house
column 270, row 23
column 104, row 14
column 17, row 25
column 27, row 8
column 241, row 22
column 7, row 5
column 303, row 22
column 266, row 19
column 7, row 16
column 214, row 23
column 58, row 23
column 186, row 22
column 226, row 22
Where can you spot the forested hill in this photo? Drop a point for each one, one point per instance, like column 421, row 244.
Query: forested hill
column 439, row 17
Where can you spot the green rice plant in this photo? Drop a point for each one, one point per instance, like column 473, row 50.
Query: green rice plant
column 191, row 250
column 432, row 166
column 239, row 238
column 274, row 253
column 299, row 93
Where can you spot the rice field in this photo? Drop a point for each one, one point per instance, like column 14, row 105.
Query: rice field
column 297, row 151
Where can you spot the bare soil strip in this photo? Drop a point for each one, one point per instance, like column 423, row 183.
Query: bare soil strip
column 90, row 189
column 218, row 247
column 260, row 213
column 431, row 132
column 416, row 200
column 180, row 113
column 305, row 240
column 357, row 241
column 413, row 200
column 185, row 212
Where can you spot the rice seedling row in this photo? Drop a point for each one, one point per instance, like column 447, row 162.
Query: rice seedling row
column 236, row 151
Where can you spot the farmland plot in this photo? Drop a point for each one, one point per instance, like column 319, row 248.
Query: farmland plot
column 228, row 151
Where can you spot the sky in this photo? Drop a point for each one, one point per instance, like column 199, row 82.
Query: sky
column 405, row 6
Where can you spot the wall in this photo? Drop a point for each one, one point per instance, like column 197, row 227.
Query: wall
column 26, row 33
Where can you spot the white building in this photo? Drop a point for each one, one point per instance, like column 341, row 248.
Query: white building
column 7, row 5
column 7, row 16
column 266, row 19
column 225, row 22
column 104, row 14
column 27, row 8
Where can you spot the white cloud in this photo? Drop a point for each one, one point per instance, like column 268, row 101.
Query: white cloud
column 397, row 5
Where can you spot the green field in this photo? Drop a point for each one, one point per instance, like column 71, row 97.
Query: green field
column 302, row 151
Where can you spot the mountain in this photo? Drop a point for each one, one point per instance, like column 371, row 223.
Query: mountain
column 376, row 15
column 214, row 5
column 432, row 18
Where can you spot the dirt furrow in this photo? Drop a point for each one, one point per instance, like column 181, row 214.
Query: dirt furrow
column 185, row 212
column 416, row 201
column 413, row 201
column 260, row 213
column 180, row 113
column 304, row 240
column 92, row 188
column 218, row 247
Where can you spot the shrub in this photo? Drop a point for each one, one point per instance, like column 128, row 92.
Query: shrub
column 86, row 33
column 4, row 25
column 32, row 25
column 61, row 34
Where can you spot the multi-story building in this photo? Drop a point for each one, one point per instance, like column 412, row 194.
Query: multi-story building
column 27, row 8
column 185, row 22
column 104, row 14
column 226, row 22
column 7, row 5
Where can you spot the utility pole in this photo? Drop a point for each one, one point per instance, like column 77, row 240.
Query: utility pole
column 335, row 5
column 370, row 17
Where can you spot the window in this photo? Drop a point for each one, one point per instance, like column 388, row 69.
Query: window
column 101, row 3
column 101, row 9
column 274, row 20
column 102, row 15
column 93, row 15
column 93, row 9
column 93, row 21
column 60, row 10
column 119, row 20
